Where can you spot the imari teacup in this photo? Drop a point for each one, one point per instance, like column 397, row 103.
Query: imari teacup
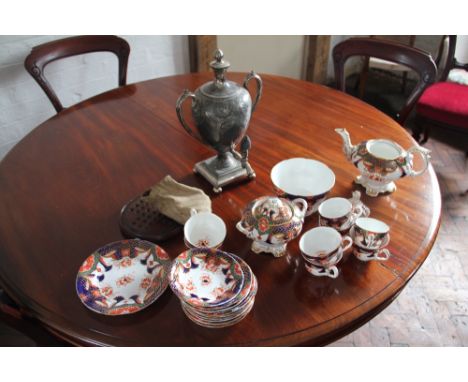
column 204, row 229
column 338, row 213
column 322, row 248
column 370, row 237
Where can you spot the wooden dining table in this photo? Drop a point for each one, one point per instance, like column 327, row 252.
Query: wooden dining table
column 62, row 188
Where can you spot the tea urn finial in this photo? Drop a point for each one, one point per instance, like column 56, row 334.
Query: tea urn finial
column 219, row 66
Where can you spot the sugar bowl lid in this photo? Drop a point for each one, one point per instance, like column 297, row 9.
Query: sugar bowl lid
column 277, row 210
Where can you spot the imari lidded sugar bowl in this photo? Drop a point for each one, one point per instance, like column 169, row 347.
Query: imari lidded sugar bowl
column 271, row 222
column 381, row 162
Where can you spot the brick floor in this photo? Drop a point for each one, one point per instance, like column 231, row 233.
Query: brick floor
column 433, row 308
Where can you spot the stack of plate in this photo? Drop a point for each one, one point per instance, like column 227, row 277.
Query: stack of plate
column 216, row 289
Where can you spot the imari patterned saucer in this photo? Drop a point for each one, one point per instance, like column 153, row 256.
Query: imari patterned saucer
column 123, row 277
column 231, row 312
column 206, row 277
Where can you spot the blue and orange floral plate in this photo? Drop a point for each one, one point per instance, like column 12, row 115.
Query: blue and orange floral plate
column 123, row 277
column 216, row 289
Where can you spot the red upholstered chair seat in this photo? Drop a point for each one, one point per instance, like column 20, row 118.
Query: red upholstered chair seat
column 445, row 102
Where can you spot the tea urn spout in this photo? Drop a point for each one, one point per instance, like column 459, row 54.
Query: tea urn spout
column 348, row 148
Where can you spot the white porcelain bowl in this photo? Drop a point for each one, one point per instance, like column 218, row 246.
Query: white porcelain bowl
column 304, row 178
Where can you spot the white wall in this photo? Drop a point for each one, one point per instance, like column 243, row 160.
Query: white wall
column 23, row 104
column 461, row 52
column 281, row 55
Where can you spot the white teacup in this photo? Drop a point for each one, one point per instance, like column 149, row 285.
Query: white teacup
column 204, row 229
column 322, row 248
column 338, row 213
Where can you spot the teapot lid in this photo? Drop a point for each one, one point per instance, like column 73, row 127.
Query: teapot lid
column 276, row 210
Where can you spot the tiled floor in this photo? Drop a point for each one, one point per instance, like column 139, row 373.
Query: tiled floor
column 433, row 308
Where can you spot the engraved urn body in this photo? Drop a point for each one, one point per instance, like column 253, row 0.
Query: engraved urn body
column 221, row 110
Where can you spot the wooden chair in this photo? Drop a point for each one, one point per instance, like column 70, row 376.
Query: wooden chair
column 42, row 55
column 419, row 61
column 443, row 105
column 378, row 63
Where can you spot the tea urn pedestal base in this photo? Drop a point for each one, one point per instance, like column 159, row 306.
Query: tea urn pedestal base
column 374, row 188
column 223, row 172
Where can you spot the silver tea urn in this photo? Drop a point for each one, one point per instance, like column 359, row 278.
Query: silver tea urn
column 221, row 110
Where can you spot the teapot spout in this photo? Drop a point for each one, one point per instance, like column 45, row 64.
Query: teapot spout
column 348, row 148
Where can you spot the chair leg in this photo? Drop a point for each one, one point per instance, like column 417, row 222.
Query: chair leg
column 425, row 135
column 417, row 131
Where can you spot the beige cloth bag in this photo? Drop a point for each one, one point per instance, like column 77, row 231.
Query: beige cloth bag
column 175, row 200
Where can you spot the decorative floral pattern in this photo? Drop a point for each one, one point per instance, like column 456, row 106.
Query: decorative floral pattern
column 123, row 277
column 206, row 277
column 230, row 313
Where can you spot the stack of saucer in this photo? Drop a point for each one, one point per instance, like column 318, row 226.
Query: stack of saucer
column 216, row 289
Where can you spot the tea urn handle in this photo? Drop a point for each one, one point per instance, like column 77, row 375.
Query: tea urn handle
column 425, row 154
column 259, row 81
column 186, row 94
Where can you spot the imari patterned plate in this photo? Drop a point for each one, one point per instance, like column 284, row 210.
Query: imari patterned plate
column 250, row 285
column 206, row 277
column 219, row 324
column 123, row 277
column 230, row 313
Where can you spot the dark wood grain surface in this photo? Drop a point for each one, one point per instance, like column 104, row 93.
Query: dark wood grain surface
column 62, row 188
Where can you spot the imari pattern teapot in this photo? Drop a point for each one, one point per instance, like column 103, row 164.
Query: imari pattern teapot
column 381, row 162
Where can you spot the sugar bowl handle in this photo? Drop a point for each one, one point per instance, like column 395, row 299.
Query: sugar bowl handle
column 242, row 229
column 425, row 154
column 259, row 81
column 302, row 205
column 186, row 94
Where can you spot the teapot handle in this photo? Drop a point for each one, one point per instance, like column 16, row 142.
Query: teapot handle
column 425, row 154
column 186, row 94
column 259, row 81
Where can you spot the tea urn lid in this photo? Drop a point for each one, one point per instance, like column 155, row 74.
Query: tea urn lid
column 219, row 66
column 276, row 210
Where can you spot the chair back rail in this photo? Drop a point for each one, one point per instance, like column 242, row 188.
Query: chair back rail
column 419, row 61
column 44, row 54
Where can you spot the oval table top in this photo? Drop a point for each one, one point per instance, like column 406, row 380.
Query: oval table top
column 63, row 186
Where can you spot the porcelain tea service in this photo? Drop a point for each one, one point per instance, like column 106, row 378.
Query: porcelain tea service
column 271, row 222
column 381, row 162
column 204, row 229
column 303, row 178
column 322, row 248
column 370, row 237
column 123, row 277
column 216, row 289
column 341, row 213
